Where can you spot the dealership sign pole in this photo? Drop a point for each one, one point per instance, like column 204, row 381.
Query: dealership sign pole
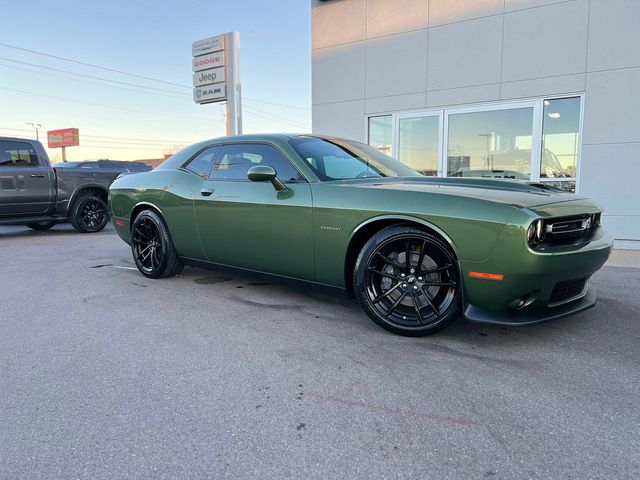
column 216, row 75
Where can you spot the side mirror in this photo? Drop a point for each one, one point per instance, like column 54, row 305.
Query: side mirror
column 265, row 173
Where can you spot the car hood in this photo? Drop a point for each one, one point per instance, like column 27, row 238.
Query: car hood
column 516, row 193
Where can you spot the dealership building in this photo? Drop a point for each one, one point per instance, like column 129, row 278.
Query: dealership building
column 539, row 90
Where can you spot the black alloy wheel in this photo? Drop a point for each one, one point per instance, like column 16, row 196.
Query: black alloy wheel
column 152, row 247
column 89, row 214
column 407, row 281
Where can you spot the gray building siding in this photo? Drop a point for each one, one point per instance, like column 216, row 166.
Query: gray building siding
column 382, row 56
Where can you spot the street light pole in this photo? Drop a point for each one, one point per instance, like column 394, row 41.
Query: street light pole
column 37, row 126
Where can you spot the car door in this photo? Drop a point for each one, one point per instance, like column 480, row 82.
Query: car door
column 25, row 182
column 250, row 224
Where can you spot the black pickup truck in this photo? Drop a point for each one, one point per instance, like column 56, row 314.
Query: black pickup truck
column 34, row 193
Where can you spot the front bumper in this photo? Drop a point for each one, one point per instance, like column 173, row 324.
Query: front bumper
column 531, row 277
column 532, row 317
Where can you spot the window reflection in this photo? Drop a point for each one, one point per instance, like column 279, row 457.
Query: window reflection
column 565, row 185
column 418, row 143
column 380, row 133
column 560, row 139
column 494, row 143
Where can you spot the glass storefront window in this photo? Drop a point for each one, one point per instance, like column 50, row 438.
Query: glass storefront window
column 380, row 133
column 418, row 143
column 560, row 138
column 491, row 143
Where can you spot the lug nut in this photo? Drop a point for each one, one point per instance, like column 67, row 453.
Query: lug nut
column 412, row 270
column 415, row 288
column 402, row 275
column 419, row 279
column 404, row 285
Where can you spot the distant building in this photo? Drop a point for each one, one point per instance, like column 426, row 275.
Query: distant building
column 154, row 162
column 542, row 90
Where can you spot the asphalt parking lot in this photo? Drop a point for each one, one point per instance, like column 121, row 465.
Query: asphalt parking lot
column 105, row 374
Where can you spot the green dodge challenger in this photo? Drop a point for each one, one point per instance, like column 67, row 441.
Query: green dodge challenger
column 415, row 251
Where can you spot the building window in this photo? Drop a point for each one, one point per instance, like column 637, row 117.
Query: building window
column 493, row 143
column 534, row 140
column 418, row 143
column 560, row 141
column 380, row 133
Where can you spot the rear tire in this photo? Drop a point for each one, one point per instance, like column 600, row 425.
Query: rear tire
column 152, row 246
column 406, row 280
column 89, row 214
column 42, row 225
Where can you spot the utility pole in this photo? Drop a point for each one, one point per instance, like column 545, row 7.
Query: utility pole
column 37, row 126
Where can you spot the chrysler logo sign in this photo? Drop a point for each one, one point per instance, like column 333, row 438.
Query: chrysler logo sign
column 207, row 45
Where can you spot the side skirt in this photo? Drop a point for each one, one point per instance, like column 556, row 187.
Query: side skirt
column 269, row 277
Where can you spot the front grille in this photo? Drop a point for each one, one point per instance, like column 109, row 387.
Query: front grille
column 567, row 289
column 567, row 229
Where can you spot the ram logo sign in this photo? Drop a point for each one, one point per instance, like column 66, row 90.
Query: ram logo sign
column 209, row 93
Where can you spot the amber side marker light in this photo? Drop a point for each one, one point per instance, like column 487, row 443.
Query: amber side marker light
column 487, row 276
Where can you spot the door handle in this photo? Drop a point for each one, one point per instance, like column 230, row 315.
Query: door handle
column 206, row 192
column 36, row 175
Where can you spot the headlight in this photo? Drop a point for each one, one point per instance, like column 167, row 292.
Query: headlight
column 535, row 232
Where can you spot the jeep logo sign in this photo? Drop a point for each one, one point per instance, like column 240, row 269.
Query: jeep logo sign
column 206, row 77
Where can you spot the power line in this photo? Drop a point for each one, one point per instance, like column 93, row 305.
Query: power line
column 144, row 88
column 275, row 103
column 122, row 72
column 277, row 117
column 93, row 65
column 156, row 114
column 84, row 135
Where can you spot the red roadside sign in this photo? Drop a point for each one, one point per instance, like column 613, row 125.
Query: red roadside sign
column 66, row 137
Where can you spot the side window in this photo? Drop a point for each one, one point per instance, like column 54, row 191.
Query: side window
column 17, row 154
column 236, row 160
column 203, row 162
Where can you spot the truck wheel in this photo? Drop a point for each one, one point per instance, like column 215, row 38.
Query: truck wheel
column 152, row 246
column 89, row 214
column 41, row 225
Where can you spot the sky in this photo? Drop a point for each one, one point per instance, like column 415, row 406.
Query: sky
column 125, row 117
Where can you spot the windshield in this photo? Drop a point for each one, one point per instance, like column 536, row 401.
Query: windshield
column 334, row 159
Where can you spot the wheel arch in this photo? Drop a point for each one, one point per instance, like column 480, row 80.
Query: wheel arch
column 93, row 189
column 140, row 206
column 365, row 230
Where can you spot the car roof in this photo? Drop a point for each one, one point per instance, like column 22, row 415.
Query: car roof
column 265, row 137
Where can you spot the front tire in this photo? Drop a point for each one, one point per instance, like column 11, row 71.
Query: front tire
column 406, row 280
column 152, row 247
column 89, row 214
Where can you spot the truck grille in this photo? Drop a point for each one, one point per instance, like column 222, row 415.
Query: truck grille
column 567, row 290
